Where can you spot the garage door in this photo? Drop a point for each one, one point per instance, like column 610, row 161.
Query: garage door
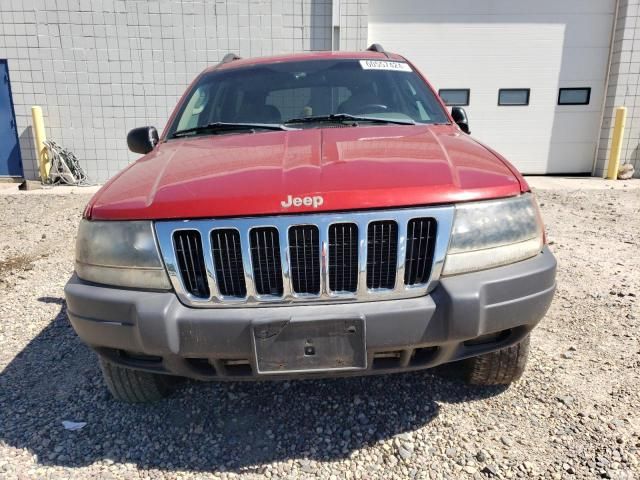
column 529, row 50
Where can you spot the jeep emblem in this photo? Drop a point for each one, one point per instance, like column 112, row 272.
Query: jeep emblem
column 314, row 201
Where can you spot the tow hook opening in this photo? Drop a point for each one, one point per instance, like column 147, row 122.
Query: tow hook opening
column 488, row 338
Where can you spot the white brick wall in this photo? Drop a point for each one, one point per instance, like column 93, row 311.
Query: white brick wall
column 101, row 67
column 354, row 20
column 623, row 88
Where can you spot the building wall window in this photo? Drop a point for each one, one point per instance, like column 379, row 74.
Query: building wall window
column 574, row 96
column 455, row 97
column 513, row 96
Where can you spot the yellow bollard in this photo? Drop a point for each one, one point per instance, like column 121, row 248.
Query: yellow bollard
column 616, row 143
column 39, row 137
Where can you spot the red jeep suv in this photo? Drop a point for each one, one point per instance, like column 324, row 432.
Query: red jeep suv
column 305, row 216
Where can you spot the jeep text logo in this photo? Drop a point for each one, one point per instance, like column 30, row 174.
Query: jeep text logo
column 314, row 202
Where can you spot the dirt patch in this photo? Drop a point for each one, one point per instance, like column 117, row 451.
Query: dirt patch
column 21, row 262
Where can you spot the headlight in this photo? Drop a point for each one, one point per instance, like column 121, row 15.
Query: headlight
column 493, row 233
column 120, row 253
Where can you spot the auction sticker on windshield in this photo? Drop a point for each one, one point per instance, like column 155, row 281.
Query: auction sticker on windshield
column 384, row 65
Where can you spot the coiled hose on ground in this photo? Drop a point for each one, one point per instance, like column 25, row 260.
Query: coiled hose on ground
column 65, row 167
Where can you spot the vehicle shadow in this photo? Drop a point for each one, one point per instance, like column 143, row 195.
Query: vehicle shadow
column 204, row 426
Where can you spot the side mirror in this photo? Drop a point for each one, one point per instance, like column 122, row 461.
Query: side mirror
column 460, row 117
column 142, row 139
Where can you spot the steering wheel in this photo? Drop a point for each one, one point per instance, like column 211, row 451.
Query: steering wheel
column 371, row 108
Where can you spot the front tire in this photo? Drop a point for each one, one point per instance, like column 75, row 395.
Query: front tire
column 497, row 368
column 134, row 386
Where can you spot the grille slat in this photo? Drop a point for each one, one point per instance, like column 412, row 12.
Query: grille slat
column 267, row 263
column 271, row 271
column 297, row 257
column 304, row 260
column 373, row 256
column 343, row 257
column 188, row 247
column 233, row 277
column 265, row 256
column 187, row 273
column 304, row 253
column 420, row 246
column 353, row 258
column 391, row 272
column 227, row 260
column 382, row 254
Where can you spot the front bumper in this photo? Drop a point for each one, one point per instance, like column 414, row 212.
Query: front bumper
column 466, row 315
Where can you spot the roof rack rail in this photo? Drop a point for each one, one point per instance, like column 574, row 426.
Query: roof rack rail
column 229, row 57
column 376, row 47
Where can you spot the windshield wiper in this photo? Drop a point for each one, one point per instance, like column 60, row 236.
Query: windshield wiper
column 342, row 117
column 227, row 127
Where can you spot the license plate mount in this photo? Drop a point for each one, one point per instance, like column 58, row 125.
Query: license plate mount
column 306, row 346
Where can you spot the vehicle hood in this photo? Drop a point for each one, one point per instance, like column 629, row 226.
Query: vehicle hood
column 350, row 168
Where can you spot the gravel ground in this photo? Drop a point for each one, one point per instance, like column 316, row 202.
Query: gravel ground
column 573, row 415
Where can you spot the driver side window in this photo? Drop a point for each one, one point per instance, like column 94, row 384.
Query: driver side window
column 415, row 102
column 194, row 109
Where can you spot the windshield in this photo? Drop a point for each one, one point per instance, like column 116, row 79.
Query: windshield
column 278, row 92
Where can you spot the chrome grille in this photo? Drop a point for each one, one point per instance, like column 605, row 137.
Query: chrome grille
column 343, row 257
column 265, row 256
column 188, row 246
column 227, row 259
column 382, row 254
column 334, row 257
column 304, row 252
column 420, row 239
